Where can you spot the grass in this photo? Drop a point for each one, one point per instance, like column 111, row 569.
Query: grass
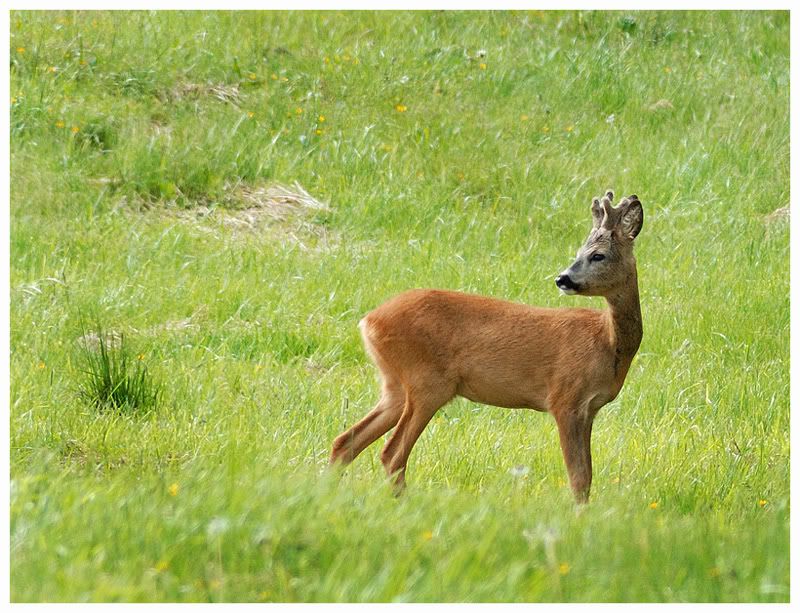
column 113, row 379
column 455, row 150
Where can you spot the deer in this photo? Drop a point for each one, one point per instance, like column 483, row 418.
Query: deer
column 431, row 345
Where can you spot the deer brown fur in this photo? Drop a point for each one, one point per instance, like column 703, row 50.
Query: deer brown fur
column 432, row 345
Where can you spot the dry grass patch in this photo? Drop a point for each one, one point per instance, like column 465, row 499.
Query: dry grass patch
column 224, row 92
column 275, row 202
column 275, row 211
column 92, row 340
column 781, row 214
column 661, row 105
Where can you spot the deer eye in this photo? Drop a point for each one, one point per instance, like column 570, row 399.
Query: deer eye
column 597, row 257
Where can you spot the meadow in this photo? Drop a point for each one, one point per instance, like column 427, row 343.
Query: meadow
column 437, row 149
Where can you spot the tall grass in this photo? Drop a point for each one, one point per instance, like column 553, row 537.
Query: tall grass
column 112, row 378
column 456, row 150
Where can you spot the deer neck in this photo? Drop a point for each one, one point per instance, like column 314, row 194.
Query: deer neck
column 625, row 324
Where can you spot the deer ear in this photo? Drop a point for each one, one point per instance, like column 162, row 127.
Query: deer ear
column 632, row 219
column 597, row 213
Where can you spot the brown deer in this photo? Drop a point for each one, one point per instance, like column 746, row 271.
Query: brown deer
column 432, row 345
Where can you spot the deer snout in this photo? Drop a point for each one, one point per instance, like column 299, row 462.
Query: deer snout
column 566, row 284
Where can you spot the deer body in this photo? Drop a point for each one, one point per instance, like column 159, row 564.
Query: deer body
column 431, row 345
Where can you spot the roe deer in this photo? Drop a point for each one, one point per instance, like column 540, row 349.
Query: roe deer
column 431, row 345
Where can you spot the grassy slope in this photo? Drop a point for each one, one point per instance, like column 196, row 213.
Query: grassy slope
column 482, row 184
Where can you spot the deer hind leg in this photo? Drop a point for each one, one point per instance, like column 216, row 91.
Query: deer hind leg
column 375, row 424
column 381, row 419
column 575, row 433
column 421, row 404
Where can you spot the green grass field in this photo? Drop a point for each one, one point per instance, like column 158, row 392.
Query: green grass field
column 454, row 150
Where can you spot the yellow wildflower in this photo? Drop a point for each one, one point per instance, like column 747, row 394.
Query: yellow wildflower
column 653, row 505
column 482, row 66
column 523, row 118
column 59, row 124
column 427, row 535
column 273, row 76
column 563, row 568
column 20, row 50
column 401, row 108
column 327, row 60
column 298, row 111
column 321, row 118
column 318, row 132
column 251, row 114
column 41, row 365
column 161, row 566
column 570, row 128
column 75, row 130
column 52, row 69
column 173, row 489
column 139, row 357
column 762, row 503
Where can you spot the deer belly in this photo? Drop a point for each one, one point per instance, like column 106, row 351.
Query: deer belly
column 502, row 392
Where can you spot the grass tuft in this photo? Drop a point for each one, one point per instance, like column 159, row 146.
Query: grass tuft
column 112, row 378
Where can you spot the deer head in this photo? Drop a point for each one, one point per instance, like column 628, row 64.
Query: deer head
column 605, row 262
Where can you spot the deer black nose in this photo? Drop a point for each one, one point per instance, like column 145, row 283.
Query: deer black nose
column 564, row 282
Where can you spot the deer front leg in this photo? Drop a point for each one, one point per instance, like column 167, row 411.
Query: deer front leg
column 575, row 433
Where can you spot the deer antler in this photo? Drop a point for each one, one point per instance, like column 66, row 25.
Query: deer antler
column 597, row 213
column 606, row 215
column 609, row 219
